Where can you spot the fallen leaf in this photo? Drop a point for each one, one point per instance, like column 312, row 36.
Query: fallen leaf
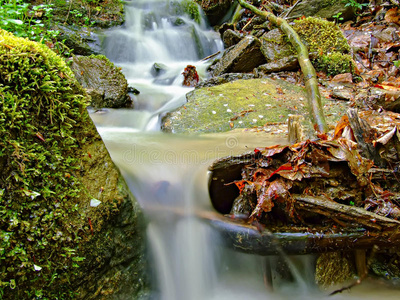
column 392, row 16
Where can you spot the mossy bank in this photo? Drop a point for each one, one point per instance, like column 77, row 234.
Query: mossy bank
column 55, row 170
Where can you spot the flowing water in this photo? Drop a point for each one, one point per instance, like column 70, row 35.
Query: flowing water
column 167, row 173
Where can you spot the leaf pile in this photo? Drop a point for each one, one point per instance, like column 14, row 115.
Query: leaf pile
column 331, row 171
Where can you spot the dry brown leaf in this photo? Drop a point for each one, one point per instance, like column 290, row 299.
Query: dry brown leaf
column 343, row 78
column 392, row 16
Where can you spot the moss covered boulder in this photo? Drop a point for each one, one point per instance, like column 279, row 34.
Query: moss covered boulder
column 251, row 103
column 328, row 48
column 68, row 226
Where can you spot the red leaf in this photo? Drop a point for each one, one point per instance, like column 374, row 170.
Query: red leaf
column 285, row 167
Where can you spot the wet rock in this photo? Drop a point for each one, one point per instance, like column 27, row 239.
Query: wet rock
column 224, row 78
column 334, row 268
column 378, row 99
column 82, row 40
column 289, row 63
column 386, row 264
column 115, row 265
column 158, row 69
column 104, row 82
column 93, row 251
column 274, row 45
column 133, row 90
column 341, row 91
column 107, row 13
column 321, row 8
column 243, row 57
column 324, row 40
column 215, row 10
column 231, row 38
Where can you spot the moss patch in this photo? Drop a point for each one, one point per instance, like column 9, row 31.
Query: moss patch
column 53, row 164
column 242, row 104
column 326, row 40
column 40, row 106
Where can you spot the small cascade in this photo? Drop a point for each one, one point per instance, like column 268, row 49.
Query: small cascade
column 154, row 47
column 168, row 173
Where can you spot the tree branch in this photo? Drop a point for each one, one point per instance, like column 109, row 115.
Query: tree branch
column 310, row 77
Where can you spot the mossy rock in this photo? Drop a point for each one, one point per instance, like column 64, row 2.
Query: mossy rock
column 243, row 104
column 324, row 40
column 94, row 13
column 53, row 164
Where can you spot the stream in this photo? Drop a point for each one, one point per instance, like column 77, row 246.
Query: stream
column 168, row 174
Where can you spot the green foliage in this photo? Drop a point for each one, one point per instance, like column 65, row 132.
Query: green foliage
column 24, row 20
column 327, row 42
column 40, row 106
column 355, row 4
column 338, row 17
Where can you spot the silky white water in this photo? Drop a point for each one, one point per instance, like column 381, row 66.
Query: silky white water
column 167, row 173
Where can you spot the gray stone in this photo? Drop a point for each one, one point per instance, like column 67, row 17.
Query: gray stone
column 274, row 46
column 82, row 40
column 241, row 58
column 289, row 63
column 102, row 80
column 216, row 10
column 321, row 8
column 231, row 38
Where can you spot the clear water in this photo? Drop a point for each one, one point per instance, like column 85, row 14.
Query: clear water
column 168, row 173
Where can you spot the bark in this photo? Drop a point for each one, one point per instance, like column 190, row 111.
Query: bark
column 364, row 136
column 310, row 77
column 345, row 213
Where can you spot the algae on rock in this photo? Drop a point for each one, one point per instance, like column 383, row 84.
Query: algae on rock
column 324, row 40
column 243, row 104
column 48, row 150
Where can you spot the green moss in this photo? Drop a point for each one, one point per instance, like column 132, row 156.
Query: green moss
column 321, row 35
column 244, row 104
column 326, row 40
column 335, row 63
column 106, row 60
column 188, row 7
column 41, row 105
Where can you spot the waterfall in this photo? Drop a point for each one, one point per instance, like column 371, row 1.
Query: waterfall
column 168, row 173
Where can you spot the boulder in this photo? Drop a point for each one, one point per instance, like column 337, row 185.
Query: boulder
column 278, row 53
column 231, row 38
column 322, row 9
column 76, row 231
column 103, row 81
column 244, row 104
column 324, row 40
column 216, row 10
column 241, row 58
column 82, row 40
